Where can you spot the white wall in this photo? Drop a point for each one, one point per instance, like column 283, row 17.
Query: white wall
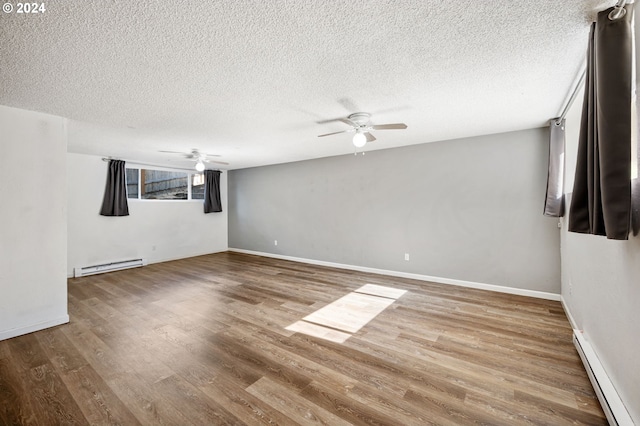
column 601, row 289
column 33, row 221
column 468, row 210
column 155, row 230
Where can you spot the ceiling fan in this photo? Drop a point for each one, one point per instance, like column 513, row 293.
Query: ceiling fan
column 200, row 158
column 360, row 121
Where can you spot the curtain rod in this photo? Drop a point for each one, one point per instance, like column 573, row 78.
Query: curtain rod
column 154, row 165
column 617, row 13
column 576, row 89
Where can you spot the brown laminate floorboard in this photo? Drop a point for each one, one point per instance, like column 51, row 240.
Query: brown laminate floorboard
column 203, row 341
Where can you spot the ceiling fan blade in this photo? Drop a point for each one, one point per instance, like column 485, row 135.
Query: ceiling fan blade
column 344, row 120
column 347, row 121
column 335, row 133
column 389, row 126
column 215, row 162
column 194, row 153
column 370, row 137
column 348, row 104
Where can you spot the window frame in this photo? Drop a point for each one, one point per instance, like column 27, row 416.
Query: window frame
column 188, row 173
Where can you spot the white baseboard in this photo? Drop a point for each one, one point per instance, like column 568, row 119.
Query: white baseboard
column 15, row 332
column 169, row 259
column 610, row 401
column 440, row 280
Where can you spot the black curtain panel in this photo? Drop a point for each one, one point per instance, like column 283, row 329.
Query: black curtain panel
column 601, row 201
column 212, row 203
column 115, row 192
column 554, row 201
column 635, row 206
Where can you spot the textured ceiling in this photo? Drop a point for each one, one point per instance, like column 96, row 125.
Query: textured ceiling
column 256, row 81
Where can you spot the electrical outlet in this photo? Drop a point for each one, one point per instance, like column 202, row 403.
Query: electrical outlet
column 406, row 256
column 275, row 242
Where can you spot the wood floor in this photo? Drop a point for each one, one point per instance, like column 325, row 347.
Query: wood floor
column 204, row 341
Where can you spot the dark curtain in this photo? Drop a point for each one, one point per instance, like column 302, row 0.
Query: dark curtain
column 554, row 201
column 212, row 203
column 601, row 201
column 115, row 192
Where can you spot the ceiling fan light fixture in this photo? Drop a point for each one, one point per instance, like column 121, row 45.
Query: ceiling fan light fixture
column 359, row 139
column 199, row 166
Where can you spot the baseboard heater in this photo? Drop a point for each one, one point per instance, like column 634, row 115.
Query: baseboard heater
column 609, row 399
column 108, row 267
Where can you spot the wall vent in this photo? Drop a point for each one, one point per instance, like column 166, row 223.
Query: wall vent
column 108, row 267
column 609, row 399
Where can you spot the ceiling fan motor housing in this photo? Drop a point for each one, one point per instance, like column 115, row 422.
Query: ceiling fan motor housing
column 360, row 118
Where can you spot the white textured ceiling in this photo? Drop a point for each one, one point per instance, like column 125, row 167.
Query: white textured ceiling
column 253, row 81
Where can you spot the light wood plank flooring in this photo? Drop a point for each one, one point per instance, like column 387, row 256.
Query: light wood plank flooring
column 204, row 341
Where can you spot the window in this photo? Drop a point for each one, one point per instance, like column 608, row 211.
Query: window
column 132, row 183
column 150, row 184
column 162, row 185
column 197, row 186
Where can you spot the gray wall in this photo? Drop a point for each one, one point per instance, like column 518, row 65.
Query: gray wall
column 468, row 209
column 601, row 288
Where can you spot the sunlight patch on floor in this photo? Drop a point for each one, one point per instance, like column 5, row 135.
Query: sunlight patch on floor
column 338, row 320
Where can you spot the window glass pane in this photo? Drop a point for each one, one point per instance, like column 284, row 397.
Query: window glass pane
column 197, row 186
column 161, row 185
column 132, row 183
